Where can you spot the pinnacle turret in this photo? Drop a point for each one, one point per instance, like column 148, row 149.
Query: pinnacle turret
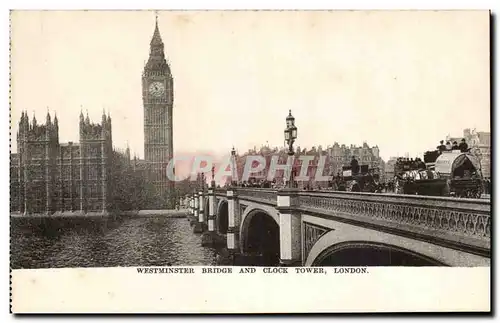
column 157, row 62
column 156, row 40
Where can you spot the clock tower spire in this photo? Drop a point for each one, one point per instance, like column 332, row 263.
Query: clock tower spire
column 157, row 97
column 157, row 61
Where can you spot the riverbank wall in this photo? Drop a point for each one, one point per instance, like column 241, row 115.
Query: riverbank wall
column 104, row 220
column 181, row 213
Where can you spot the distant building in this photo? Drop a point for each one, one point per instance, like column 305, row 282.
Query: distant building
column 480, row 144
column 282, row 157
column 334, row 158
column 389, row 168
column 47, row 176
column 240, row 161
column 314, row 167
column 341, row 155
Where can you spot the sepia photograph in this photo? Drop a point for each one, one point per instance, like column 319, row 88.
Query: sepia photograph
column 321, row 142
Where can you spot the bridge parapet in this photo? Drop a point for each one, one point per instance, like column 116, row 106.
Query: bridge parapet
column 471, row 217
column 259, row 195
column 465, row 222
column 266, row 196
column 220, row 192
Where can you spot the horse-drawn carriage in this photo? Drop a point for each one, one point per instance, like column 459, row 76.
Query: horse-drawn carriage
column 366, row 180
column 447, row 173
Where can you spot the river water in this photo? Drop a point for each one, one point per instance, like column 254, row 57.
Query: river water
column 152, row 241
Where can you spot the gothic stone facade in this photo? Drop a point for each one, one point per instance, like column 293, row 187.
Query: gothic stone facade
column 47, row 176
column 157, row 96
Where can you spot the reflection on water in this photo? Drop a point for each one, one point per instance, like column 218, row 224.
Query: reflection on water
column 130, row 242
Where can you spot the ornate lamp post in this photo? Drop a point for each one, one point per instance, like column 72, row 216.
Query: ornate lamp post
column 286, row 202
column 290, row 136
column 212, row 183
column 234, row 174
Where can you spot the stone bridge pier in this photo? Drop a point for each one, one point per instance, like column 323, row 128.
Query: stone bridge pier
column 258, row 233
column 194, row 210
column 290, row 225
column 211, row 236
column 200, row 224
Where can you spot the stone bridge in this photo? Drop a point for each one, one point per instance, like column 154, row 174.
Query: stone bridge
column 330, row 228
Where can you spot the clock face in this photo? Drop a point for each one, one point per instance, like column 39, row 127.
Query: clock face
column 156, row 89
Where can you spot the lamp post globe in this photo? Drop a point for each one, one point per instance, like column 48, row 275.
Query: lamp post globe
column 293, row 132
column 290, row 120
column 287, row 136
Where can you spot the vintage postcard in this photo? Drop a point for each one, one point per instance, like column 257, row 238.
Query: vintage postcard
column 250, row 161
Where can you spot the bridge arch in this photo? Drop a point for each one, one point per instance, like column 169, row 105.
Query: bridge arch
column 352, row 248
column 260, row 235
column 222, row 217
column 365, row 253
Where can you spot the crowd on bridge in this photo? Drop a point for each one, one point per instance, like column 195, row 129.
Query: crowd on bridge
column 383, row 187
column 375, row 185
column 410, row 163
column 463, row 147
column 252, row 182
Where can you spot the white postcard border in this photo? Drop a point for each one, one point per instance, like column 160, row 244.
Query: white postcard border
column 4, row 249
column 381, row 289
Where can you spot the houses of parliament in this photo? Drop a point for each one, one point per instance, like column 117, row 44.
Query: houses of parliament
column 47, row 176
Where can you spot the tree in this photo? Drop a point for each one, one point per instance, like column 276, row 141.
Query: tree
column 127, row 185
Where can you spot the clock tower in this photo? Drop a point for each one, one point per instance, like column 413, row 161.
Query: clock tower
column 157, row 98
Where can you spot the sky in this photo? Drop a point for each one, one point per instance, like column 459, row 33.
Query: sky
column 402, row 80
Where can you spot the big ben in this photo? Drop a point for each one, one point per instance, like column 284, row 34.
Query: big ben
column 157, row 97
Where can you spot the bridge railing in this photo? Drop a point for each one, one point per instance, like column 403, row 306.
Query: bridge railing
column 466, row 221
column 220, row 191
column 454, row 218
column 267, row 196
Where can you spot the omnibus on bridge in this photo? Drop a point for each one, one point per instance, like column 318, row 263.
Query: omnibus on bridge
column 447, row 173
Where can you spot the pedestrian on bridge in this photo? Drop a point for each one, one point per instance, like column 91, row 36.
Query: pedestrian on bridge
column 354, row 165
